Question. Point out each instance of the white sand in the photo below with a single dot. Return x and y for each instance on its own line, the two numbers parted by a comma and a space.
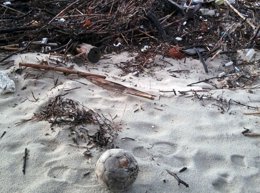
170, 132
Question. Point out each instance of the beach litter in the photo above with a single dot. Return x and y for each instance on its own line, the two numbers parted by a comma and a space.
86, 126
117, 169
7, 85
214, 42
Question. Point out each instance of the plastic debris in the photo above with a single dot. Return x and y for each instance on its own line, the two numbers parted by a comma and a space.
61, 20
145, 48
44, 40
7, 85
198, 1
7, 3
208, 12
220, 2
117, 44
175, 53
222, 74
228, 64
178, 38
192, 51
250, 55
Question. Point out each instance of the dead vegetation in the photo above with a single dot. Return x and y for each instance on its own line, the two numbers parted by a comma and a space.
87, 127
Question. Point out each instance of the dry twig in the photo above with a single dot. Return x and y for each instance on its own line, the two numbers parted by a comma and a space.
180, 181
25, 160
239, 14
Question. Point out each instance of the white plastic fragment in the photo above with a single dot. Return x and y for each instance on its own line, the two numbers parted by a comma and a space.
178, 38
229, 64
222, 74
44, 40
197, 1
117, 169
7, 85
250, 55
193, 51
220, 2
7, 3
208, 12
117, 44
62, 20
237, 69
145, 48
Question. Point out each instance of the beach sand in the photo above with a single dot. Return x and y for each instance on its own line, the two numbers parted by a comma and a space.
197, 131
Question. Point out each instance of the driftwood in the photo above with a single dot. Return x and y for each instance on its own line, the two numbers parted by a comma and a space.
254, 113
61, 69
109, 85
96, 79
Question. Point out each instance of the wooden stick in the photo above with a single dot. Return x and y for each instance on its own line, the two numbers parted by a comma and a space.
248, 106
3, 134
95, 79
239, 14
205, 80
62, 11
12, 9
254, 113
61, 69
180, 181
25, 160
109, 85
252, 134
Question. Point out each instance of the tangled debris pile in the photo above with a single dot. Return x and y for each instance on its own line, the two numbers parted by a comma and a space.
200, 29
120, 24
86, 126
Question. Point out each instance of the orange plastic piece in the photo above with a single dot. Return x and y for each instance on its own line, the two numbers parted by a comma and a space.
175, 52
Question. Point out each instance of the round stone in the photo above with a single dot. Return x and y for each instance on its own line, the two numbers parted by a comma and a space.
117, 169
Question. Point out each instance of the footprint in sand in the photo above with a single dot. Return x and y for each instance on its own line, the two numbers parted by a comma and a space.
80, 176
144, 127
221, 184
224, 182
257, 162
238, 160
164, 148
254, 162
14, 147
58, 172
140, 152
251, 183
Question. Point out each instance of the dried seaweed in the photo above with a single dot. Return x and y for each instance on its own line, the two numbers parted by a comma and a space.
86, 125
